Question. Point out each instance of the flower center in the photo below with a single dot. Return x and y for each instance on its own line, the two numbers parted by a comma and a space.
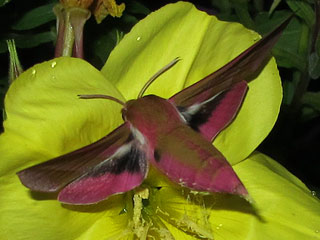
155, 211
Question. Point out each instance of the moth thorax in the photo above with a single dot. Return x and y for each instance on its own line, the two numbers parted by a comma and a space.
151, 114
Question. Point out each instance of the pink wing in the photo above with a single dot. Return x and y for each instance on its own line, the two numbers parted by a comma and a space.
210, 104
189, 159
213, 115
118, 173
116, 163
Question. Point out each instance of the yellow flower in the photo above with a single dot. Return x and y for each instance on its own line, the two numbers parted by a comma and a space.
46, 119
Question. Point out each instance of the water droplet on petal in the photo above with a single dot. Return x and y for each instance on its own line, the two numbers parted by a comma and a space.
138, 38
53, 64
34, 72
314, 193
220, 225
123, 211
317, 231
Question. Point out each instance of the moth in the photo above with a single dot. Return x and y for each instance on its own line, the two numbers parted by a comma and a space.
173, 135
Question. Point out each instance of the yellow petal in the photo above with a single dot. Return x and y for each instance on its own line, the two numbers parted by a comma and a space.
45, 113
43, 217
287, 208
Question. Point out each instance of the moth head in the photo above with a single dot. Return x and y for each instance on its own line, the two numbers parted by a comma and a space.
124, 110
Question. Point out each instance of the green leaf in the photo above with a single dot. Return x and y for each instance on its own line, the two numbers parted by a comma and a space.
129, 19
258, 4
288, 92
312, 99
29, 41
223, 6
288, 59
4, 2
311, 105
308, 114
36, 17
303, 10
314, 65
273, 6
287, 50
104, 44
265, 23
242, 11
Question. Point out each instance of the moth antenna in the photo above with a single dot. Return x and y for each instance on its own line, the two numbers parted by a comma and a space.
101, 96
157, 74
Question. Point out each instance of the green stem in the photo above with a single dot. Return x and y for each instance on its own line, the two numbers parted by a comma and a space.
15, 68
